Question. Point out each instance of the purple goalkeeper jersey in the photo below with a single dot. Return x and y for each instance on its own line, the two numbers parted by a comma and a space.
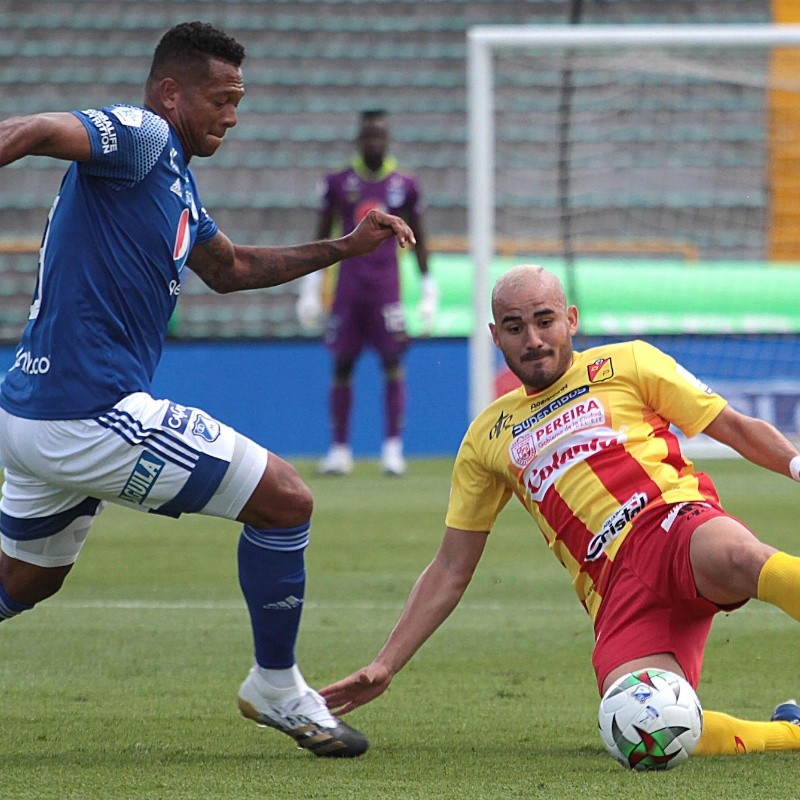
348, 196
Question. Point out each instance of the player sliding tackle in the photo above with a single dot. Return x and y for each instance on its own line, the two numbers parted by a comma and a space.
78, 426
585, 445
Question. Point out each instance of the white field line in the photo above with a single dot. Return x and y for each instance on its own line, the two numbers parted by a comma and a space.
232, 605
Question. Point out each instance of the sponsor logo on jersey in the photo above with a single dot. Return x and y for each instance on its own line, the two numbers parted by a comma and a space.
578, 417
30, 365
108, 136
503, 424
182, 237
177, 188
601, 370
543, 472
553, 405
613, 526
364, 207
176, 418
132, 117
206, 428
142, 479
537, 403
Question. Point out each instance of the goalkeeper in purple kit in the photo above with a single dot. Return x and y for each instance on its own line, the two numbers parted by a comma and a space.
366, 309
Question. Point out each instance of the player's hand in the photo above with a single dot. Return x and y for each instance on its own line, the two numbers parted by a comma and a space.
357, 689
376, 227
428, 304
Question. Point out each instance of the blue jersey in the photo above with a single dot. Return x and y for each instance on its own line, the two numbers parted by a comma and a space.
110, 266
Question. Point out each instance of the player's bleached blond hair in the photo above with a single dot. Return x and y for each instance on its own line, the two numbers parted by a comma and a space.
521, 275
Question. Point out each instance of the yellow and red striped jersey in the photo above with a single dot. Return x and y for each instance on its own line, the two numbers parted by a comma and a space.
586, 455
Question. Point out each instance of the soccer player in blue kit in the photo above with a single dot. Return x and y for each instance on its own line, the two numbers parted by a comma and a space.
78, 426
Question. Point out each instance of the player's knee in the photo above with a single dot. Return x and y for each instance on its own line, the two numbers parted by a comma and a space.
28, 583
300, 505
744, 560
285, 506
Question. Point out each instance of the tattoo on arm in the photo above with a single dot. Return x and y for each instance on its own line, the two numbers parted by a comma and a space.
226, 267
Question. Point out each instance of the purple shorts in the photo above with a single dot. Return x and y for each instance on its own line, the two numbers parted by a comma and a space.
356, 325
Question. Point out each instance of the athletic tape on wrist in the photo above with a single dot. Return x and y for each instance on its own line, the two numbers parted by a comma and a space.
794, 468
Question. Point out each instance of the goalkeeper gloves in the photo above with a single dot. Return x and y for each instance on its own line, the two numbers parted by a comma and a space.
428, 303
309, 302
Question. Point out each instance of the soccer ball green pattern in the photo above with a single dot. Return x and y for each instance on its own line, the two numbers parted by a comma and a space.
650, 720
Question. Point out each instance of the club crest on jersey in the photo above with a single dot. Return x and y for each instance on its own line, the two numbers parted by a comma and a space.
601, 370
132, 117
206, 428
182, 238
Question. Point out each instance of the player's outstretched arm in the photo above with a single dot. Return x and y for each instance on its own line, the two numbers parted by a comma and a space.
227, 267
753, 438
435, 594
58, 135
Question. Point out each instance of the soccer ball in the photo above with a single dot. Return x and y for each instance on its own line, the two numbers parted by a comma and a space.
650, 720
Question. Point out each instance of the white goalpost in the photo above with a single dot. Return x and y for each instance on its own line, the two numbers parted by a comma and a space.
595, 146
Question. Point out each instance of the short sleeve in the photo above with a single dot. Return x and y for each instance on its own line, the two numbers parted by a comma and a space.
126, 142
673, 392
477, 494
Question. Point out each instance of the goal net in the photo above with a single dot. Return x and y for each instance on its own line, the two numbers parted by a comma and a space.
656, 169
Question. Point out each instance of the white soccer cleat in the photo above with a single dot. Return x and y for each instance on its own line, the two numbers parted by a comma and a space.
301, 713
339, 461
392, 461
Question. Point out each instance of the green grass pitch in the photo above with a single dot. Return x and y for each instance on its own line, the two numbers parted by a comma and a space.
124, 684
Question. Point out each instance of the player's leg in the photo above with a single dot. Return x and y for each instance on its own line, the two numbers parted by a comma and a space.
33, 563
42, 526
655, 615
339, 459
731, 565
388, 336
277, 519
394, 408
172, 459
343, 340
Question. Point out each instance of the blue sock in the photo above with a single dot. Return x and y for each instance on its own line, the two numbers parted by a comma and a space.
9, 607
272, 575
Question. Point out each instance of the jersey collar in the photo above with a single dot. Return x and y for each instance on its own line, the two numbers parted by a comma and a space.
387, 168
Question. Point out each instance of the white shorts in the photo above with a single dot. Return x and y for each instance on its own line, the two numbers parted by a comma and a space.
146, 454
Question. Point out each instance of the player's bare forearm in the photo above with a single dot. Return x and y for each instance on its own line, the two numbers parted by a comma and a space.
755, 439
436, 593
226, 267
59, 135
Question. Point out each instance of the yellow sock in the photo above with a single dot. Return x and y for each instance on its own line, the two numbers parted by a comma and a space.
779, 583
724, 735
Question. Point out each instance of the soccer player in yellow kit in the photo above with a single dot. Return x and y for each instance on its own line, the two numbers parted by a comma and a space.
586, 447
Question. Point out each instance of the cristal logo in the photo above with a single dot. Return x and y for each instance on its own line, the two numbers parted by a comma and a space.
30, 365
613, 526
181, 248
